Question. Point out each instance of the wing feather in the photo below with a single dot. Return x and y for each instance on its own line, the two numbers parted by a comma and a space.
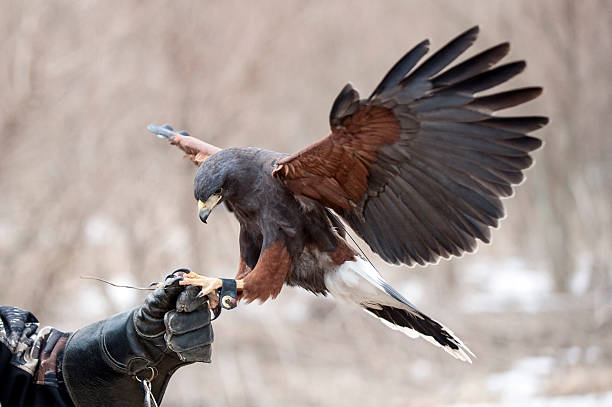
195, 149
419, 168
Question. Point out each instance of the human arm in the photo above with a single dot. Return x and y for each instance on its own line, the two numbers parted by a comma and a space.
98, 364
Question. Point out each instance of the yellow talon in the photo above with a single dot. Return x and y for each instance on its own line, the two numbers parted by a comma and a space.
208, 284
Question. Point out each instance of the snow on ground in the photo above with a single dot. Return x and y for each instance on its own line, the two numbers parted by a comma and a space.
522, 381
519, 387
505, 285
581, 400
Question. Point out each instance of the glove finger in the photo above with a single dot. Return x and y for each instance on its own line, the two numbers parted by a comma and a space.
199, 354
188, 300
156, 304
163, 299
183, 322
190, 341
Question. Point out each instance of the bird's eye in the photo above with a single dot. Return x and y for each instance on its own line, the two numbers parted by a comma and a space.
219, 191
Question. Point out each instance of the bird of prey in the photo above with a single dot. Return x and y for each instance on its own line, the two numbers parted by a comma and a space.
417, 170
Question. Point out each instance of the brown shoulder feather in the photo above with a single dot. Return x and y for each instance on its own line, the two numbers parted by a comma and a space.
419, 168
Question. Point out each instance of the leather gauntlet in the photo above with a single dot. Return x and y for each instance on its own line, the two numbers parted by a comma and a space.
104, 362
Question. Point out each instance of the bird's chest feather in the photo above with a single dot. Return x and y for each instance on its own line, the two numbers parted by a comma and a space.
309, 269
272, 215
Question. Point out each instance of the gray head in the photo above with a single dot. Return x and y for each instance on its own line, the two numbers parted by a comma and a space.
229, 175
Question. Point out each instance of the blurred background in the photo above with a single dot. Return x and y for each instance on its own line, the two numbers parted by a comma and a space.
86, 190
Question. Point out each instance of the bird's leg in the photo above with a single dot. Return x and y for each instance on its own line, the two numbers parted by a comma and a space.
209, 286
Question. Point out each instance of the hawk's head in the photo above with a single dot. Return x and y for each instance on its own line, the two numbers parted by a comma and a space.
229, 175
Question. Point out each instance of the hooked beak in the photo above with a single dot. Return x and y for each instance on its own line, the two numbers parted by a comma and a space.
205, 208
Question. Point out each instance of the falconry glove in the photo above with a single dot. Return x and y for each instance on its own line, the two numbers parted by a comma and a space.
106, 363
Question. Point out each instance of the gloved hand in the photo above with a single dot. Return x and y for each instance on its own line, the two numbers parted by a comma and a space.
105, 362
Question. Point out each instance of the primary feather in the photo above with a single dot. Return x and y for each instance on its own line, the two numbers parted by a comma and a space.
426, 159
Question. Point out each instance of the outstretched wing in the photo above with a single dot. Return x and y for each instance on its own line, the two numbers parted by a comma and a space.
418, 168
195, 149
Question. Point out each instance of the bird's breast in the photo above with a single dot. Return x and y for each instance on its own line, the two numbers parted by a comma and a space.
309, 269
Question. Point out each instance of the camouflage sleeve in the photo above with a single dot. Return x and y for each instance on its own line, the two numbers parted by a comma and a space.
30, 361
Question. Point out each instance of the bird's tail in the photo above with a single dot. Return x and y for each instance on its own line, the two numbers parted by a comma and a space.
358, 282
414, 324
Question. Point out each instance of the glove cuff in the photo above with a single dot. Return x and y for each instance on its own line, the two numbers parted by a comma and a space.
104, 361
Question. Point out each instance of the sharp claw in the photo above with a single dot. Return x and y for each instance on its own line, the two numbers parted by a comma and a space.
213, 299
207, 285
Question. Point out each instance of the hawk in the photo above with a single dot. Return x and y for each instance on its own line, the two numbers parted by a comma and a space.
417, 170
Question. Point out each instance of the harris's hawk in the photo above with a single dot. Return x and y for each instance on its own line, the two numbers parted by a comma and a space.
417, 170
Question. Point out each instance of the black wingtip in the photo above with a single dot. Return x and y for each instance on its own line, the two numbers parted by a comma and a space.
489, 79
519, 124
517, 67
544, 121
475, 30
470, 34
537, 122
504, 100
535, 91
503, 48
475, 65
401, 68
